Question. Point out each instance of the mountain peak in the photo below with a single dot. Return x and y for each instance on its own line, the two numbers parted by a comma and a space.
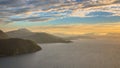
3, 35
20, 32
23, 30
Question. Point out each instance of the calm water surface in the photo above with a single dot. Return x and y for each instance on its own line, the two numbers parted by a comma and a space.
87, 53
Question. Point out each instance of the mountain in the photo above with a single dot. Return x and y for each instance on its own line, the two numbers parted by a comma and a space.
46, 38
37, 37
3, 35
15, 46
19, 33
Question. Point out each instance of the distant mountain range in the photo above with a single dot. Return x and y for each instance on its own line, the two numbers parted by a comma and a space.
37, 37
80, 37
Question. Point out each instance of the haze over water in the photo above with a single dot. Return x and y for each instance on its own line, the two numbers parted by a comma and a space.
82, 53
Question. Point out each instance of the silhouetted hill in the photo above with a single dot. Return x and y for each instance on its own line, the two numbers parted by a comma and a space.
46, 38
3, 35
14, 46
19, 33
37, 37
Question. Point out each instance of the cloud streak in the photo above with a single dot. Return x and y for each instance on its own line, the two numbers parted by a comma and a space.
41, 10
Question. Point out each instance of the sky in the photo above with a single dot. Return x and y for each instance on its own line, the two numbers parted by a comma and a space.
61, 16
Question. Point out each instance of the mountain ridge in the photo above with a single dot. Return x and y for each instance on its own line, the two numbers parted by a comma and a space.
3, 35
39, 37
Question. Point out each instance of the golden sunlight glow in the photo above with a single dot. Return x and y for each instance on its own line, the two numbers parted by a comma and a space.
80, 29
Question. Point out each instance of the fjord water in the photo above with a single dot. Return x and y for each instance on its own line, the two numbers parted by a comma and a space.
83, 53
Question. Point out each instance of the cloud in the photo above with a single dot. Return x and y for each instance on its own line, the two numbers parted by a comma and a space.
38, 16
111, 9
40, 20
41, 10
